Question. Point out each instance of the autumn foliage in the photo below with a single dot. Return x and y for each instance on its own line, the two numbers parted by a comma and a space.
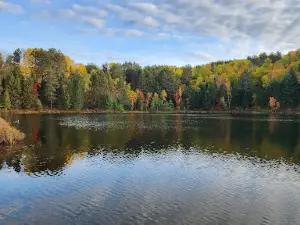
38, 78
274, 104
178, 95
8, 134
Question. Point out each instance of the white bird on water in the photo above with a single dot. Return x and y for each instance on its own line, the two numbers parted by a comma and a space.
17, 121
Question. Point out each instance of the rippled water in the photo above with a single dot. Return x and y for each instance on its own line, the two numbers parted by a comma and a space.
152, 169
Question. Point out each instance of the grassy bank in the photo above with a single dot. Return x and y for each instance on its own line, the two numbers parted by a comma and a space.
233, 112
8, 134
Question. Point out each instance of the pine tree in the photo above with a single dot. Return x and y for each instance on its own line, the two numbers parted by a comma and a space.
101, 90
16, 57
187, 75
14, 87
64, 98
29, 98
290, 90
77, 92
122, 96
245, 89
50, 87
6, 100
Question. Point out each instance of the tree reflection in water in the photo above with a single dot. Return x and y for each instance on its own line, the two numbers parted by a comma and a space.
54, 141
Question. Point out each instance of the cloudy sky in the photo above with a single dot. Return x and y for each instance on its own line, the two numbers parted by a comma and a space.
175, 32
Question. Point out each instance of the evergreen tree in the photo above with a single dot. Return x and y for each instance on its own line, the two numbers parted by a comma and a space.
139, 103
29, 98
290, 90
6, 100
155, 102
210, 95
116, 71
51, 84
2, 89
14, 88
77, 92
90, 67
187, 75
245, 89
17, 55
64, 98
101, 90
122, 96
96, 91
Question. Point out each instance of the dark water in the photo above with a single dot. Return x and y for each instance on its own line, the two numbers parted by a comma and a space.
152, 169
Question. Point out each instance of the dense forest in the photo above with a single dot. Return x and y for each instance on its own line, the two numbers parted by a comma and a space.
38, 78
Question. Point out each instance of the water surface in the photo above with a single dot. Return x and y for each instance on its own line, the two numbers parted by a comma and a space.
152, 169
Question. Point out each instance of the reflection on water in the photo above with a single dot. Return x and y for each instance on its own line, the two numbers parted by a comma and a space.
148, 169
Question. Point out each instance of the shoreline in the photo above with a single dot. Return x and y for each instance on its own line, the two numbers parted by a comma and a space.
9, 135
215, 112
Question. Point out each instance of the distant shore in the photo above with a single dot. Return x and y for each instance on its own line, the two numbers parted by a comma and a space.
233, 112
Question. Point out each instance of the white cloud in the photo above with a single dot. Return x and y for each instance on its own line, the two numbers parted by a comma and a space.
84, 14
134, 33
117, 32
273, 24
41, 1
89, 11
144, 7
132, 17
201, 56
240, 27
151, 21
96, 22
113, 32
11, 8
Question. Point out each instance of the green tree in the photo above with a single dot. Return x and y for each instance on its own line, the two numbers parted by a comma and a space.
133, 74
91, 67
290, 90
100, 89
155, 102
77, 92
29, 97
6, 100
64, 98
14, 88
187, 75
116, 71
121, 94
51, 85
17, 55
245, 89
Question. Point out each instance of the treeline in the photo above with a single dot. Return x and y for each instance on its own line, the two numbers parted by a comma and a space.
38, 78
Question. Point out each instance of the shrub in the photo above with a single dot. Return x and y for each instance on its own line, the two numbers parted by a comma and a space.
39, 105
8, 134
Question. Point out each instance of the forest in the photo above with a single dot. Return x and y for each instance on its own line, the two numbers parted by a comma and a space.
38, 79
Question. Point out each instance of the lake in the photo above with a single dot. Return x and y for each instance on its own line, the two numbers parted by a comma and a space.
152, 169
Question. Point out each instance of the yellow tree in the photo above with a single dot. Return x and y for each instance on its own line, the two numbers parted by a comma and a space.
278, 70
85, 76
27, 63
132, 96
163, 95
179, 72
69, 64
228, 92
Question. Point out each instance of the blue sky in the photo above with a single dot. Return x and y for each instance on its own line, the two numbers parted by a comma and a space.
174, 32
